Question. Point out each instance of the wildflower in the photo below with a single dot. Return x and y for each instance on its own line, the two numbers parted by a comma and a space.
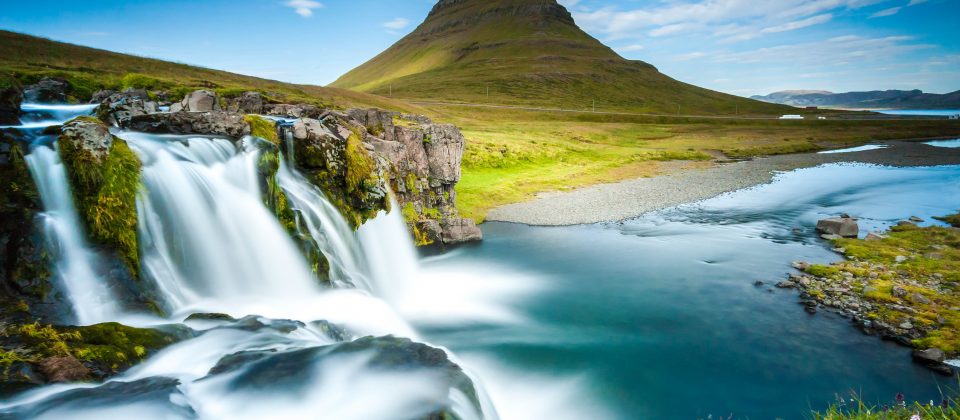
916, 417
945, 404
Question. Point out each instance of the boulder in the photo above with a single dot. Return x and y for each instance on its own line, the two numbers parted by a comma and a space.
875, 237
934, 360
118, 108
247, 103
88, 134
49, 90
101, 95
460, 230
841, 226
293, 111
198, 101
208, 123
10, 99
63, 369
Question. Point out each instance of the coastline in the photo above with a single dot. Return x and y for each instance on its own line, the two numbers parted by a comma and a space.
632, 198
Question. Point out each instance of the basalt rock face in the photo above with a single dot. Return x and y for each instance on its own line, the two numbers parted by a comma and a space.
49, 90
26, 288
425, 167
210, 123
10, 99
120, 107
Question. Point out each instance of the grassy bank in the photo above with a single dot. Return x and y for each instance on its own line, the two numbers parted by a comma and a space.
513, 154
896, 409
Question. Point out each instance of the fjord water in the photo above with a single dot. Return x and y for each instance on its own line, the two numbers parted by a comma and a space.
659, 317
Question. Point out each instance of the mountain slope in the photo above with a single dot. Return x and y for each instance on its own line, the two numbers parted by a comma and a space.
28, 58
527, 52
877, 99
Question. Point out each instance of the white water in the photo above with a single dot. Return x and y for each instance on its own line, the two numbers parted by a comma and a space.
952, 144
75, 263
856, 149
210, 245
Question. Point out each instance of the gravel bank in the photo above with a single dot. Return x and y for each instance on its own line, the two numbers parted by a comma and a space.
632, 198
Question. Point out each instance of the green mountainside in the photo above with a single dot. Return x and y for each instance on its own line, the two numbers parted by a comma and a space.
28, 59
527, 53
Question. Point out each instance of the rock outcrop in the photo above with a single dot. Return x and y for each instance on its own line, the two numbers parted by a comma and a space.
209, 123
293, 111
246, 103
118, 108
49, 90
198, 101
11, 95
425, 167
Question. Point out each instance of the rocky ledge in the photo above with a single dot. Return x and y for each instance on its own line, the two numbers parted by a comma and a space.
353, 155
901, 285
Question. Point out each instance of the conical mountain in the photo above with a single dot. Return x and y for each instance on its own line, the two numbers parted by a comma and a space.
527, 52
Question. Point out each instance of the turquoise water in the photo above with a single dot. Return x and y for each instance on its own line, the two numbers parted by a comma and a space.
932, 112
659, 317
953, 144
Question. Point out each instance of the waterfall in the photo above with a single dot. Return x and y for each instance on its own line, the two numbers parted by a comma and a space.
209, 244
204, 231
75, 263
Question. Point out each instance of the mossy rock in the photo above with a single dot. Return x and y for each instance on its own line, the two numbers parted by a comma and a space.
263, 128
105, 176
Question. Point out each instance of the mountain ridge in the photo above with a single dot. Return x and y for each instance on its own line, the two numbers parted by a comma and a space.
875, 99
526, 52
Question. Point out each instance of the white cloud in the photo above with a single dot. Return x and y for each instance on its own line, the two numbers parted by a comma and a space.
630, 48
886, 12
690, 56
304, 7
396, 24
916, 2
798, 24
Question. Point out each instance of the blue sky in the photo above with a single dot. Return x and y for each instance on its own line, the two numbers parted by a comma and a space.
743, 47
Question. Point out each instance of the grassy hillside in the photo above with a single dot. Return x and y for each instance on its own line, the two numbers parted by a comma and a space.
30, 58
528, 52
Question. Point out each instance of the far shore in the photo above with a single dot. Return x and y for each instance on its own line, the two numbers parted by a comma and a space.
632, 198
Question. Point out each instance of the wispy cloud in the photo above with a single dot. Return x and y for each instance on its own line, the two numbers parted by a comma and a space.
304, 7
886, 12
396, 24
631, 48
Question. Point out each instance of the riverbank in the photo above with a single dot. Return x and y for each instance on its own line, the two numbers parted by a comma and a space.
899, 284
632, 198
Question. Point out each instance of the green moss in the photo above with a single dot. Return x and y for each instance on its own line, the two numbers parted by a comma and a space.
360, 166
929, 267
952, 220
142, 81
411, 216
411, 182
427, 138
262, 128
376, 130
114, 345
105, 192
823, 271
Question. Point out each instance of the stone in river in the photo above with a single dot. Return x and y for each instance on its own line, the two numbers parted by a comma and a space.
841, 226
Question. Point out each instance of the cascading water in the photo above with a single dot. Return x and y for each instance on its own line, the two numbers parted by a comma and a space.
210, 245
76, 265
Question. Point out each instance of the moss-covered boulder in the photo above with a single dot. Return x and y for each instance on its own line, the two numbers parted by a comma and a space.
333, 156
105, 176
34, 353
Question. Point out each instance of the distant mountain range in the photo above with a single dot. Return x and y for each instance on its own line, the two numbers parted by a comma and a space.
877, 99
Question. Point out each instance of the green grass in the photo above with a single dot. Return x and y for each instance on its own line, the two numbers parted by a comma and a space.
511, 155
931, 269
28, 59
898, 408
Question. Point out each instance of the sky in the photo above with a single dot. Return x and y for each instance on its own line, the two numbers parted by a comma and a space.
743, 47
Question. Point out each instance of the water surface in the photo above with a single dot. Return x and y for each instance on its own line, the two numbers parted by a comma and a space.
659, 317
